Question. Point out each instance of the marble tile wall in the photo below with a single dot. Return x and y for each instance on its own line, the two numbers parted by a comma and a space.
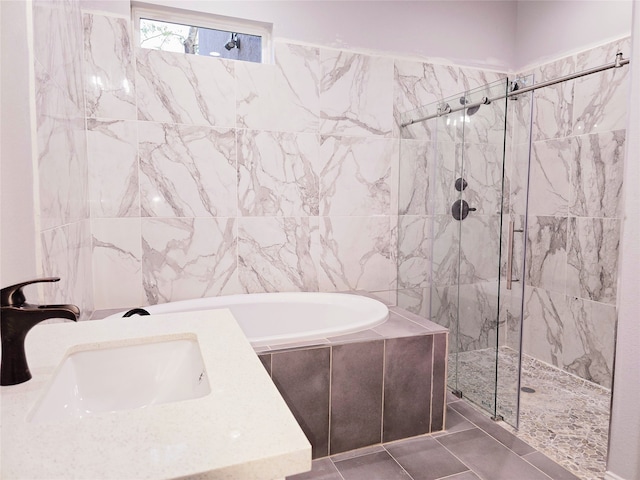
212, 177
62, 166
573, 233
205, 177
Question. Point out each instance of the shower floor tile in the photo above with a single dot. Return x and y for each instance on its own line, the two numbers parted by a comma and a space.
565, 417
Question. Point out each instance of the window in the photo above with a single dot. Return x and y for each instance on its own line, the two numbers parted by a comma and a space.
175, 30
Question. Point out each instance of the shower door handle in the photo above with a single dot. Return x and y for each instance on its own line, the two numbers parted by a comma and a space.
510, 278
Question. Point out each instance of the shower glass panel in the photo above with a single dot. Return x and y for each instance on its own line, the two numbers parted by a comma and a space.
513, 247
453, 188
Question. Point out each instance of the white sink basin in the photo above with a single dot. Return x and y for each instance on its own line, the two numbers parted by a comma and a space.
123, 378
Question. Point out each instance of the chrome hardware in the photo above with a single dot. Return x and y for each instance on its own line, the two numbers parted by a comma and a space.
443, 109
510, 278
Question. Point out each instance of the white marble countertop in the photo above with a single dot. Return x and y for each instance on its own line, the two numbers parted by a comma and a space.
241, 430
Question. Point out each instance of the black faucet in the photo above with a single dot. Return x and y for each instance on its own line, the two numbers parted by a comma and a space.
17, 317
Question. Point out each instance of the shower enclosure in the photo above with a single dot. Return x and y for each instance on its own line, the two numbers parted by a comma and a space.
463, 180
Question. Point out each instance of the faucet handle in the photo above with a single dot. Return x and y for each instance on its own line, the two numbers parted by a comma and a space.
13, 295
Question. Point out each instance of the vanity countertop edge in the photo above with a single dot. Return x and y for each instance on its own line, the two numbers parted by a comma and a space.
242, 429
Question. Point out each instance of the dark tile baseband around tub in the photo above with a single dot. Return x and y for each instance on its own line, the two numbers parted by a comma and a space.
364, 388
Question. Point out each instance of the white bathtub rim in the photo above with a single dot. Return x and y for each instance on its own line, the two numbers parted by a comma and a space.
376, 312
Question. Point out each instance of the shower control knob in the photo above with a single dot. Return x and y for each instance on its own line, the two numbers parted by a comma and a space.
460, 209
461, 184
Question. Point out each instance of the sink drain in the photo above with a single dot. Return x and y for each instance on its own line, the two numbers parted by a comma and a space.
528, 390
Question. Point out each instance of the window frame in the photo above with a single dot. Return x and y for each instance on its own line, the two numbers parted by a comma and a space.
204, 20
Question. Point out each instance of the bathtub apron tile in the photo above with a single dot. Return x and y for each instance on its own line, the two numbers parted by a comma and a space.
356, 395
302, 377
407, 387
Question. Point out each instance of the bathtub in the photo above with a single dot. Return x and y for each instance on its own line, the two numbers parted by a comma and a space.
277, 318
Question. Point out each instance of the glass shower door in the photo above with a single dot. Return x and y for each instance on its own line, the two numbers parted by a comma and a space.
477, 214
453, 201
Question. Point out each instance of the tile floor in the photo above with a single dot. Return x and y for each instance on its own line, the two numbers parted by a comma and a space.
471, 447
565, 417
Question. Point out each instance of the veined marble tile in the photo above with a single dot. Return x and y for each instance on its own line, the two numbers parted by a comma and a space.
446, 250
511, 314
278, 173
446, 169
63, 171
553, 106
592, 258
547, 252
278, 254
187, 171
470, 312
519, 179
257, 102
59, 98
416, 163
477, 316
592, 349
519, 112
394, 178
482, 169
58, 50
544, 327
415, 300
184, 258
180, 88
600, 100
355, 254
356, 94
108, 68
475, 79
551, 164
355, 175
298, 88
414, 251
444, 310
574, 334
487, 124
281, 97
603, 54
479, 248
117, 263
418, 84
597, 175
112, 147
427, 176
66, 253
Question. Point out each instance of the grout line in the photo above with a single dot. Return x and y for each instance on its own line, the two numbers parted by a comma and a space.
397, 462
444, 433
492, 436
453, 475
335, 468
477, 473
460, 460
